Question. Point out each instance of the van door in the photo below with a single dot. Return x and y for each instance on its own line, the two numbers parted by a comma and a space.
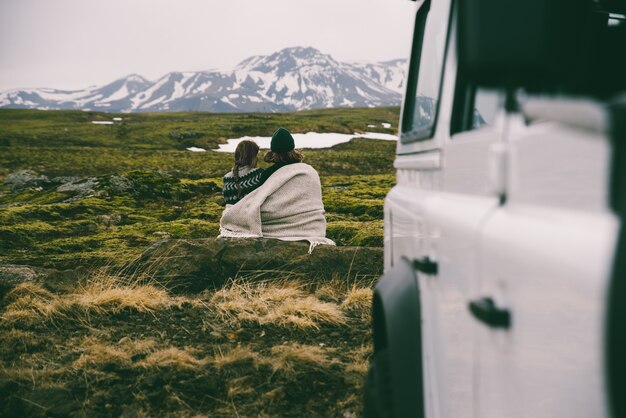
545, 259
454, 216
434, 214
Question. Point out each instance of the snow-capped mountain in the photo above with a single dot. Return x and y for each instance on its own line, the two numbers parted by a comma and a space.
290, 79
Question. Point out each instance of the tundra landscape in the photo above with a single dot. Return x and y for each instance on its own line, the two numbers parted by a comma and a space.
117, 300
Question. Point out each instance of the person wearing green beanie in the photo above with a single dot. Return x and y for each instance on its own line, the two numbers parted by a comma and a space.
287, 206
282, 141
282, 152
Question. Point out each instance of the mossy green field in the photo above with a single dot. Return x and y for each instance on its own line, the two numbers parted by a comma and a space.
134, 182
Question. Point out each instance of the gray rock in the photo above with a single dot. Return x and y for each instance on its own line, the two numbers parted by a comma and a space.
120, 183
20, 274
24, 179
82, 187
109, 220
64, 179
197, 264
12, 275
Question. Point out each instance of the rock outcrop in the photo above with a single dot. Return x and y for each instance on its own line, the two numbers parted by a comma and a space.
196, 264
12, 275
192, 265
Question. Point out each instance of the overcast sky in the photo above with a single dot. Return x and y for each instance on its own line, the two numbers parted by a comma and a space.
72, 44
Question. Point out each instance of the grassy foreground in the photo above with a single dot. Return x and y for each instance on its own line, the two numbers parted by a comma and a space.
278, 348
262, 345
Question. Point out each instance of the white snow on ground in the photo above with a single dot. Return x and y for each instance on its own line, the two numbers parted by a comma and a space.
179, 91
145, 95
102, 122
364, 94
179, 87
386, 125
51, 94
154, 102
308, 140
189, 84
227, 101
251, 62
289, 81
195, 149
136, 78
266, 78
20, 100
121, 93
240, 78
390, 77
203, 87
350, 103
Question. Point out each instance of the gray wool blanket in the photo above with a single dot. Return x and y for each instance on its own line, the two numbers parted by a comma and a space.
288, 206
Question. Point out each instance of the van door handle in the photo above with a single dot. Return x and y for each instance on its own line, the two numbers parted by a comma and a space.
486, 311
426, 265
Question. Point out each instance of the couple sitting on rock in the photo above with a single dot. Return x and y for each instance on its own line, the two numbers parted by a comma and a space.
283, 201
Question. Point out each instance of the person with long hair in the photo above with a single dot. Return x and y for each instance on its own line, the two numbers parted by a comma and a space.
288, 206
245, 175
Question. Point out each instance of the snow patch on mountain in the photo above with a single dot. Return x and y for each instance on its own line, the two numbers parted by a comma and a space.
290, 79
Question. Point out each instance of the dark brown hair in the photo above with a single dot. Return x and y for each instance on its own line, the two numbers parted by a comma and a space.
292, 156
245, 155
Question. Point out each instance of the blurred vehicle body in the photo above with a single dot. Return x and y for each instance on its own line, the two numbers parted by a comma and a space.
501, 295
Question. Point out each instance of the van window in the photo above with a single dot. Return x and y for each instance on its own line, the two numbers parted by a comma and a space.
474, 107
486, 105
425, 72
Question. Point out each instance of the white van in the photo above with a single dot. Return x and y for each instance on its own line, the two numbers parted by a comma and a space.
502, 294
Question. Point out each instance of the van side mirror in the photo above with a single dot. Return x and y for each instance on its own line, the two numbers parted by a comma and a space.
513, 43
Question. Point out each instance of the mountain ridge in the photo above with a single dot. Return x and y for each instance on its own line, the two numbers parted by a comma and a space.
296, 78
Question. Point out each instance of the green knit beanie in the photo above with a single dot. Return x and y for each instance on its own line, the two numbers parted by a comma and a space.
282, 141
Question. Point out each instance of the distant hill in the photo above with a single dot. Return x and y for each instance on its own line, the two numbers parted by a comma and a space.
290, 79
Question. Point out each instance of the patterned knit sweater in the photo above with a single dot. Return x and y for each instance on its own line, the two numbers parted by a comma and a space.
288, 207
249, 179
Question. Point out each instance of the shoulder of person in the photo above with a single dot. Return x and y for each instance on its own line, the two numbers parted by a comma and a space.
305, 166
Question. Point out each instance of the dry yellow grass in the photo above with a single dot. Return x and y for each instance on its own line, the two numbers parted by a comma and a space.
283, 304
144, 298
329, 292
294, 358
139, 346
250, 379
238, 355
359, 360
240, 386
30, 302
28, 290
306, 312
95, 353
11, 337
358, 300
173, 357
